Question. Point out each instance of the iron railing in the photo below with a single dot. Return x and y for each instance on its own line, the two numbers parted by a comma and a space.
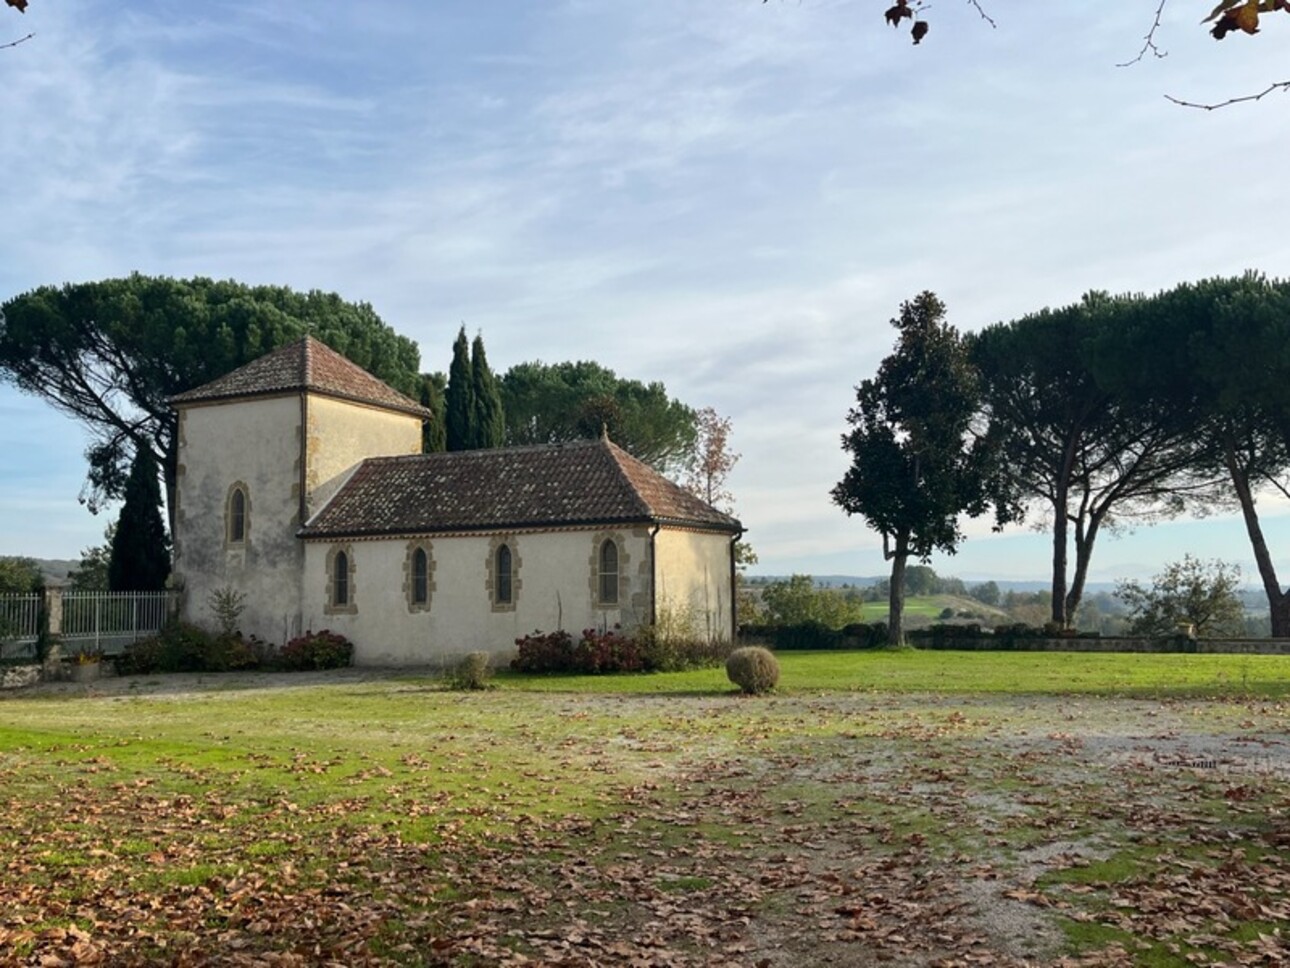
99, 621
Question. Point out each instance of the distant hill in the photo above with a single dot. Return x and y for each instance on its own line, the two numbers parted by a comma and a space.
56, 570
864, 581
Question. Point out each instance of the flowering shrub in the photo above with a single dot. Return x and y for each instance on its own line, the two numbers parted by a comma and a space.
610, 650
316, 650
544, 652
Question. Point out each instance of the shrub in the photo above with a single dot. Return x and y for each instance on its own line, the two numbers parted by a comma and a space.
807, 635
228, 653
186, 648
610, 650
753, 669
140, 658
316, 650
861, 635
544, 652
179, 647
471, 671
228, 604
607, 651
675, 653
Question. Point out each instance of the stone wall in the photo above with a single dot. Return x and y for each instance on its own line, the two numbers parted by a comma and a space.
19, 677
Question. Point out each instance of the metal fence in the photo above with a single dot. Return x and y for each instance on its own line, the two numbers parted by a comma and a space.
104, 621
19, 623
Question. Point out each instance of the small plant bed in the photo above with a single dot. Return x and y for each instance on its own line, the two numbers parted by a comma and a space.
187, 648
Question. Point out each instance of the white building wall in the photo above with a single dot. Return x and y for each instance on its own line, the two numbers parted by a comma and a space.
693, 590
554, 588
255, 443
258, 443
341, 434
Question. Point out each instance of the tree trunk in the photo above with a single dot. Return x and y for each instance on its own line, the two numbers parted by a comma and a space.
1083, 556
896, 592
1061, 497
1060, 525
1278, 602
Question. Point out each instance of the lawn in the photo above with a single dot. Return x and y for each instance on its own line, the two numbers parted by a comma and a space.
895, 807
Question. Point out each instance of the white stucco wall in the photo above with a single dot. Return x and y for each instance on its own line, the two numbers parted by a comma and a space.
258, 443
343, 433
554, 588
255, 443
693, 578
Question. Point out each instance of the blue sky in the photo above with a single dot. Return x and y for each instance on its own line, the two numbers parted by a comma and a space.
730, 196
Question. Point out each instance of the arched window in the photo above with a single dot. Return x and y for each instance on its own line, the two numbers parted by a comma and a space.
420, 577
502, 575
237, 515
340, 580
608, 572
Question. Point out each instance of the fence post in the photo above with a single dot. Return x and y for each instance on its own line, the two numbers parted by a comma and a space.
53, 605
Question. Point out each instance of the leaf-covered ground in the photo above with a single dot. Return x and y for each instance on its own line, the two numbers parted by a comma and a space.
365, 820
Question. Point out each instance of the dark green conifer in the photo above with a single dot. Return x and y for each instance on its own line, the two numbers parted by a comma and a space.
459, 420
490, 421
140, 560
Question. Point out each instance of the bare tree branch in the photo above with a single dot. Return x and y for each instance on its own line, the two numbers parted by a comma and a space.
15, 43
984, 16
1149, 42
1278, 86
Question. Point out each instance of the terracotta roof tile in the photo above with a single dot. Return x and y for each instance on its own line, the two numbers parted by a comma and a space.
305, 364
586, 482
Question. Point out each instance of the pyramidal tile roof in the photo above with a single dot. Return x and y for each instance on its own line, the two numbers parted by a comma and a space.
305, 364
585, 482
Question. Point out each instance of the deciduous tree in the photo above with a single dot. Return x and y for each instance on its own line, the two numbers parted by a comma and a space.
713, 460
1188, 592
916, 465
91, 575
19, 575
796, 601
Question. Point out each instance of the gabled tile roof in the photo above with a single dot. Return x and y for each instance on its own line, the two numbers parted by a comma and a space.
305, 364
586, 482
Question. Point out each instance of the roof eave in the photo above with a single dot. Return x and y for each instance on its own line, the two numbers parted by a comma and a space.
309, 534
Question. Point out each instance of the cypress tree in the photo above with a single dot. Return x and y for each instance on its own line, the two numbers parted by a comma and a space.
490, 421
140, 559
434, 432
459, 417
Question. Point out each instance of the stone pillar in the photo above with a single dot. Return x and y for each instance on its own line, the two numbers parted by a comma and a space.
54, 611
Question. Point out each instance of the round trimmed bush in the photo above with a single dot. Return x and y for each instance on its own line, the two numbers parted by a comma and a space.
753, 669
471, 671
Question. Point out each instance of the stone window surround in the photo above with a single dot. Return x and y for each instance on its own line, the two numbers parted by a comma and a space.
490, 582
229, 541
349, 607
624, 580
409, 575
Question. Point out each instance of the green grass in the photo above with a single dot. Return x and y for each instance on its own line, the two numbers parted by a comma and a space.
270, 817
1007, 673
